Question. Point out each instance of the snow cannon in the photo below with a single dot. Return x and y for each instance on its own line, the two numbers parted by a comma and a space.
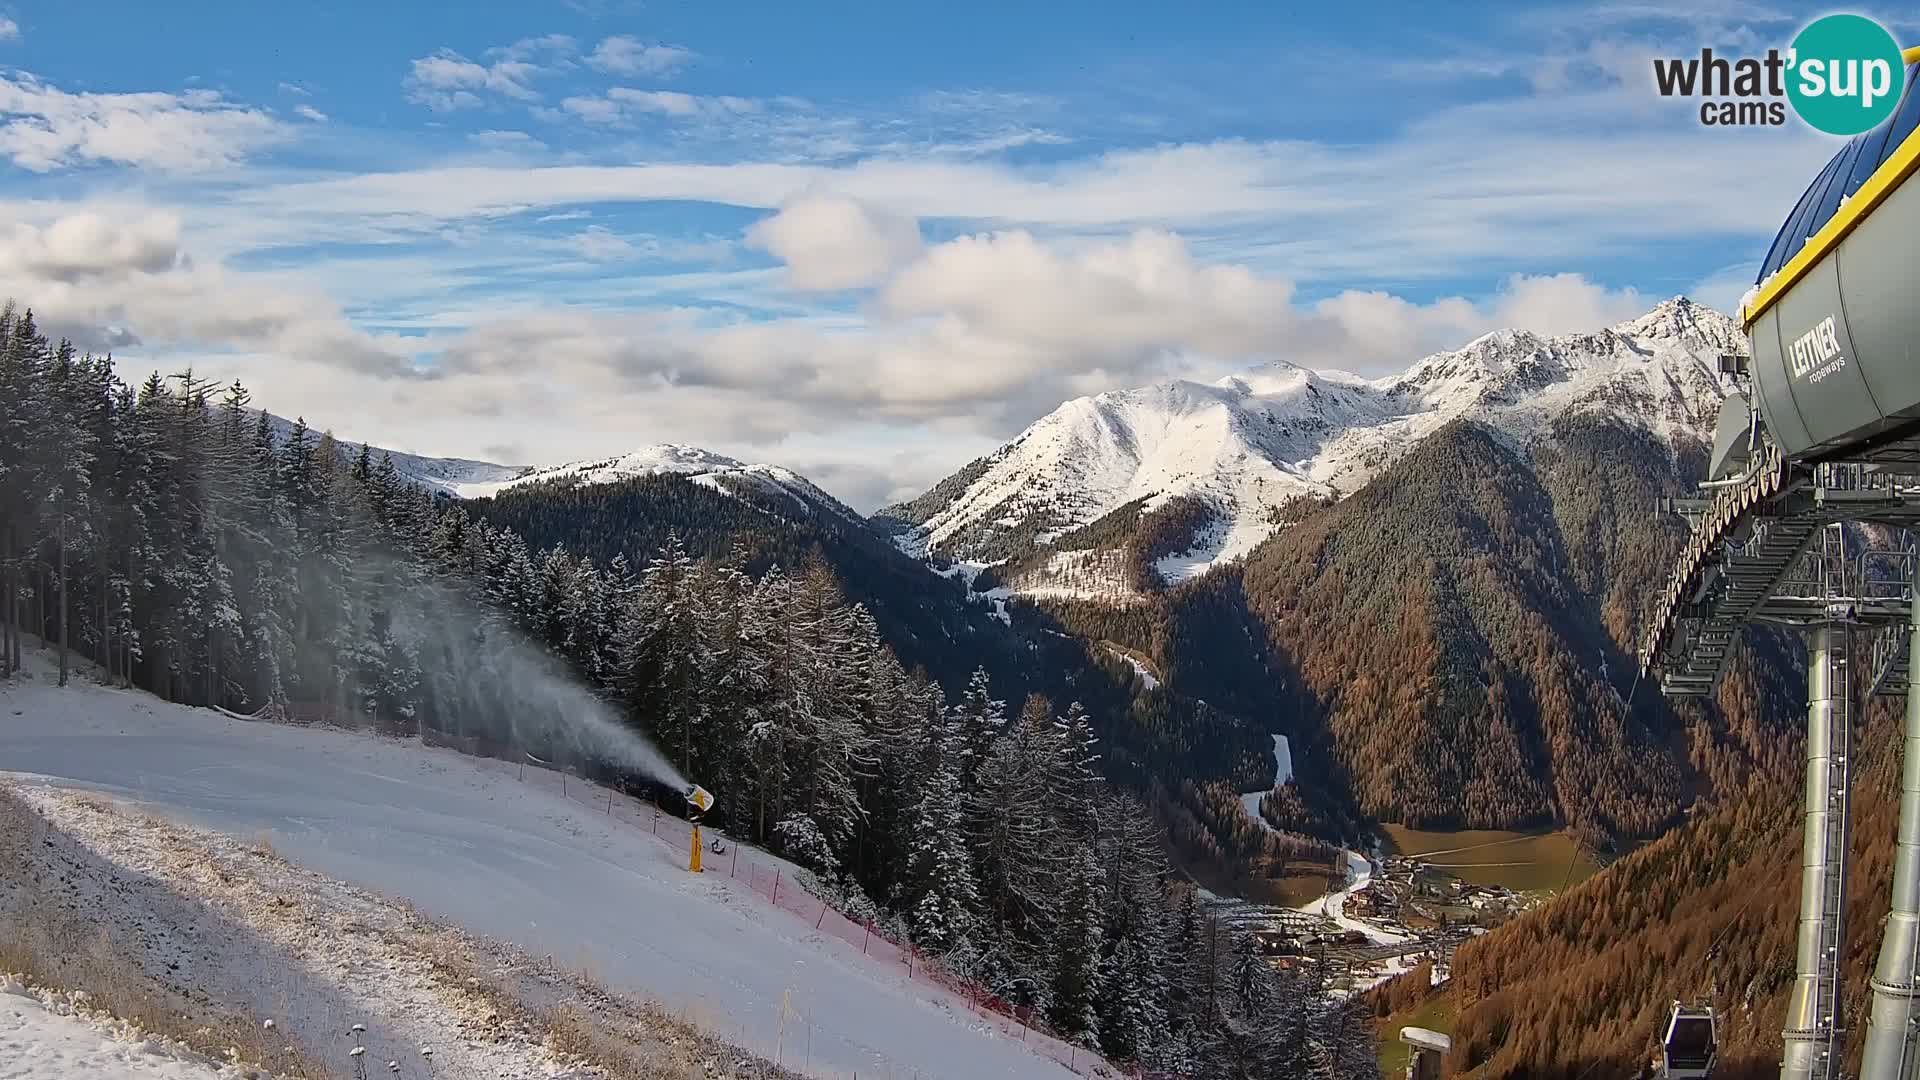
701, 800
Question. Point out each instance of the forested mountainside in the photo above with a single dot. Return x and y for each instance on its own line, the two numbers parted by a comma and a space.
925, 618
1453, 644
170, 535
1581, 986
1433, 621
1187, 757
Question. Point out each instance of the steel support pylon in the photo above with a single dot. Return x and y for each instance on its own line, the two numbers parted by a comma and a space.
1815, 1031
1891, 1052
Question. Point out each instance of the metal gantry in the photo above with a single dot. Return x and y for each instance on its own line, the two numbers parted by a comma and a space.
1827, 550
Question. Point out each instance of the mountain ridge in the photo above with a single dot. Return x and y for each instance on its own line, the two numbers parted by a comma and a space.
1248, 444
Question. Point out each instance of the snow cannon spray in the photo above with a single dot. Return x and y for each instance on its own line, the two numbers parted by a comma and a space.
484, 676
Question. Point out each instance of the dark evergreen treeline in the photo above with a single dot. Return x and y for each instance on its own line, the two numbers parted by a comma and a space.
1151, 742
167, 534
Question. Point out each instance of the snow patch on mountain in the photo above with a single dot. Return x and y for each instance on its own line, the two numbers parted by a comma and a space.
1249, 443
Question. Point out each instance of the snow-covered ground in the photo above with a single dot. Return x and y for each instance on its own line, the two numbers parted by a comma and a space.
332, 967
1282, 772
460, 841
43, 1037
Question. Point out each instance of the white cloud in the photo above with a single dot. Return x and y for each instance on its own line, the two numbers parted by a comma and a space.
556, 46
592, 109
833, 242
625, 55
310, 113
92, 244
43, 128
1382, 332
979, 334
623, 104
964, 342
447, 81
665, 102
109, 278
506, 142
600, 244
1447, 199
9, 30
295, 89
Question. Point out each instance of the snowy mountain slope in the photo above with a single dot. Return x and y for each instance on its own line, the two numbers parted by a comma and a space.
704, 467
448, 475
1249, 443
461, 840
469, 479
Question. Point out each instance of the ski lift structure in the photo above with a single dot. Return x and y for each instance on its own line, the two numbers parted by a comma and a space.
1821, 436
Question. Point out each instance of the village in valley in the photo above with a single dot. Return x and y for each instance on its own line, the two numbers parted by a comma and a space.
1393, 913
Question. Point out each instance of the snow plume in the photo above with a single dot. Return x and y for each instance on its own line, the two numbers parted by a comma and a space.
487, 679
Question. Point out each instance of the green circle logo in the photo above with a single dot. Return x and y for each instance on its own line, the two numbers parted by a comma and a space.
1845, 74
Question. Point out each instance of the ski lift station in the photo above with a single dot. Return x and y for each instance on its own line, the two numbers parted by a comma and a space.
1825, 435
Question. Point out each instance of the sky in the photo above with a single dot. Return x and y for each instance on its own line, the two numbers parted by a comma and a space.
866, 241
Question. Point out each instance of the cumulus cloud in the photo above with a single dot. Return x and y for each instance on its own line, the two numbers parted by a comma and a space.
310, 113
105, 278
43, 128
969, 339
625, 55
91, 244
833, 242
9, 30
446, 80
984, 333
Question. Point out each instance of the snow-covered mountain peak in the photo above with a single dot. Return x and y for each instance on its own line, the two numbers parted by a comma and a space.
719, 472
1682, 321
1249, 443
674, 457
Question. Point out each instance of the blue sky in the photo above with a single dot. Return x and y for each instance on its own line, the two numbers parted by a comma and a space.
868, 241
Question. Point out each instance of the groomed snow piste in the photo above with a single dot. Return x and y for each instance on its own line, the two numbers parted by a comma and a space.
461, 840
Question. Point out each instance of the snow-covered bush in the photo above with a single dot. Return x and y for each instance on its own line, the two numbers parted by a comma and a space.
802, 841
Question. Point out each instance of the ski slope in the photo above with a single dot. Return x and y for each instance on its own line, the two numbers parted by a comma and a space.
463, 841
